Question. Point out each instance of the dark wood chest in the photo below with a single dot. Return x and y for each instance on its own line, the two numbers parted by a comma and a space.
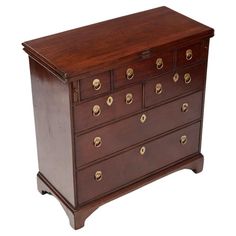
117, 105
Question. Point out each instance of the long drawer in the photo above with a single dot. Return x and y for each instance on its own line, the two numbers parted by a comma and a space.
127, 132
120, 170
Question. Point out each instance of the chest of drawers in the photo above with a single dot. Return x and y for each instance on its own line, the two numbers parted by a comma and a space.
117, 105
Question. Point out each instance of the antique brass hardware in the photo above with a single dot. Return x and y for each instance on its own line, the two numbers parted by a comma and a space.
97, 142
189, 54
187, 78
159, 63
184, 107
158, 88
183, 139
143, 118
97, 84
129, 73
109, 100
96, 110
129, 98
98, 175
142, 150
176, 77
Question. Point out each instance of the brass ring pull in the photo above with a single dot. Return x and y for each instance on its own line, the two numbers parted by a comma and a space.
143, 118
97, 84
129, 73
184, 107
109, 100
176, 77
183, 139
98, 175
96, 110
142, 150
159, 63
158, 88
129, 98
189, 54
187, 78
97, 142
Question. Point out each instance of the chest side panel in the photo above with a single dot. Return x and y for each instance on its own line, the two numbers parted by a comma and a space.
53, 130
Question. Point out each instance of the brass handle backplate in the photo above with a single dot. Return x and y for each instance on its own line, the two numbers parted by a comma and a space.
142, 150
109, 100
129, 98
129, 73
183, 139
189, 54
97, 84
187, 78
159, 63
98, 175
96, 110
158, 88
97, 142
184, 107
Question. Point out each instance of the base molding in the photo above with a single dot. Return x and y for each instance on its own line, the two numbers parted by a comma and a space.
77, 216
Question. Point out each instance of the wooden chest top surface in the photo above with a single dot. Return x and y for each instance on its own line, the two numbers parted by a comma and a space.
80, 50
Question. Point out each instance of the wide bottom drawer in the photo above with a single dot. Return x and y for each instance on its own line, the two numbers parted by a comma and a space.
118, 171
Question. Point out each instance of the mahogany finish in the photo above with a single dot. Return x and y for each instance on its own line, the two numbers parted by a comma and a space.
131, 131
131, 165
115, 113
84, 112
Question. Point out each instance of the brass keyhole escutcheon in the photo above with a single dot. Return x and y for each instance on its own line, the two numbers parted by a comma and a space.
109, 100
129, 98
96, 110
176, 77
187, 78
142, 150
183, 139
159, 63
97, 142
158, 88
97, 84
184, 107
189, 54
129, 74
143, 118
98, 175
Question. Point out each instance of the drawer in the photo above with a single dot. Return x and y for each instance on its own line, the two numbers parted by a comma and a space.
107, 108
130, 131
169, 86
134, 164
95, 85
145, 68
190, 54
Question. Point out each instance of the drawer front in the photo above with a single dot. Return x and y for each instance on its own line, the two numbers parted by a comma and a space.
146, 68
122, 134
95, 85
169, 86
134, 164
190, 54
107, 108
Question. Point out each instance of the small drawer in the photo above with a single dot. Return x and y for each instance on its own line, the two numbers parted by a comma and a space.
95, 85
134, 164
143, 69
190, 54
108, 108
172, 85
122, 134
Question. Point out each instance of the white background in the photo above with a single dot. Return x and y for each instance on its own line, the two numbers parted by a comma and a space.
182, 203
